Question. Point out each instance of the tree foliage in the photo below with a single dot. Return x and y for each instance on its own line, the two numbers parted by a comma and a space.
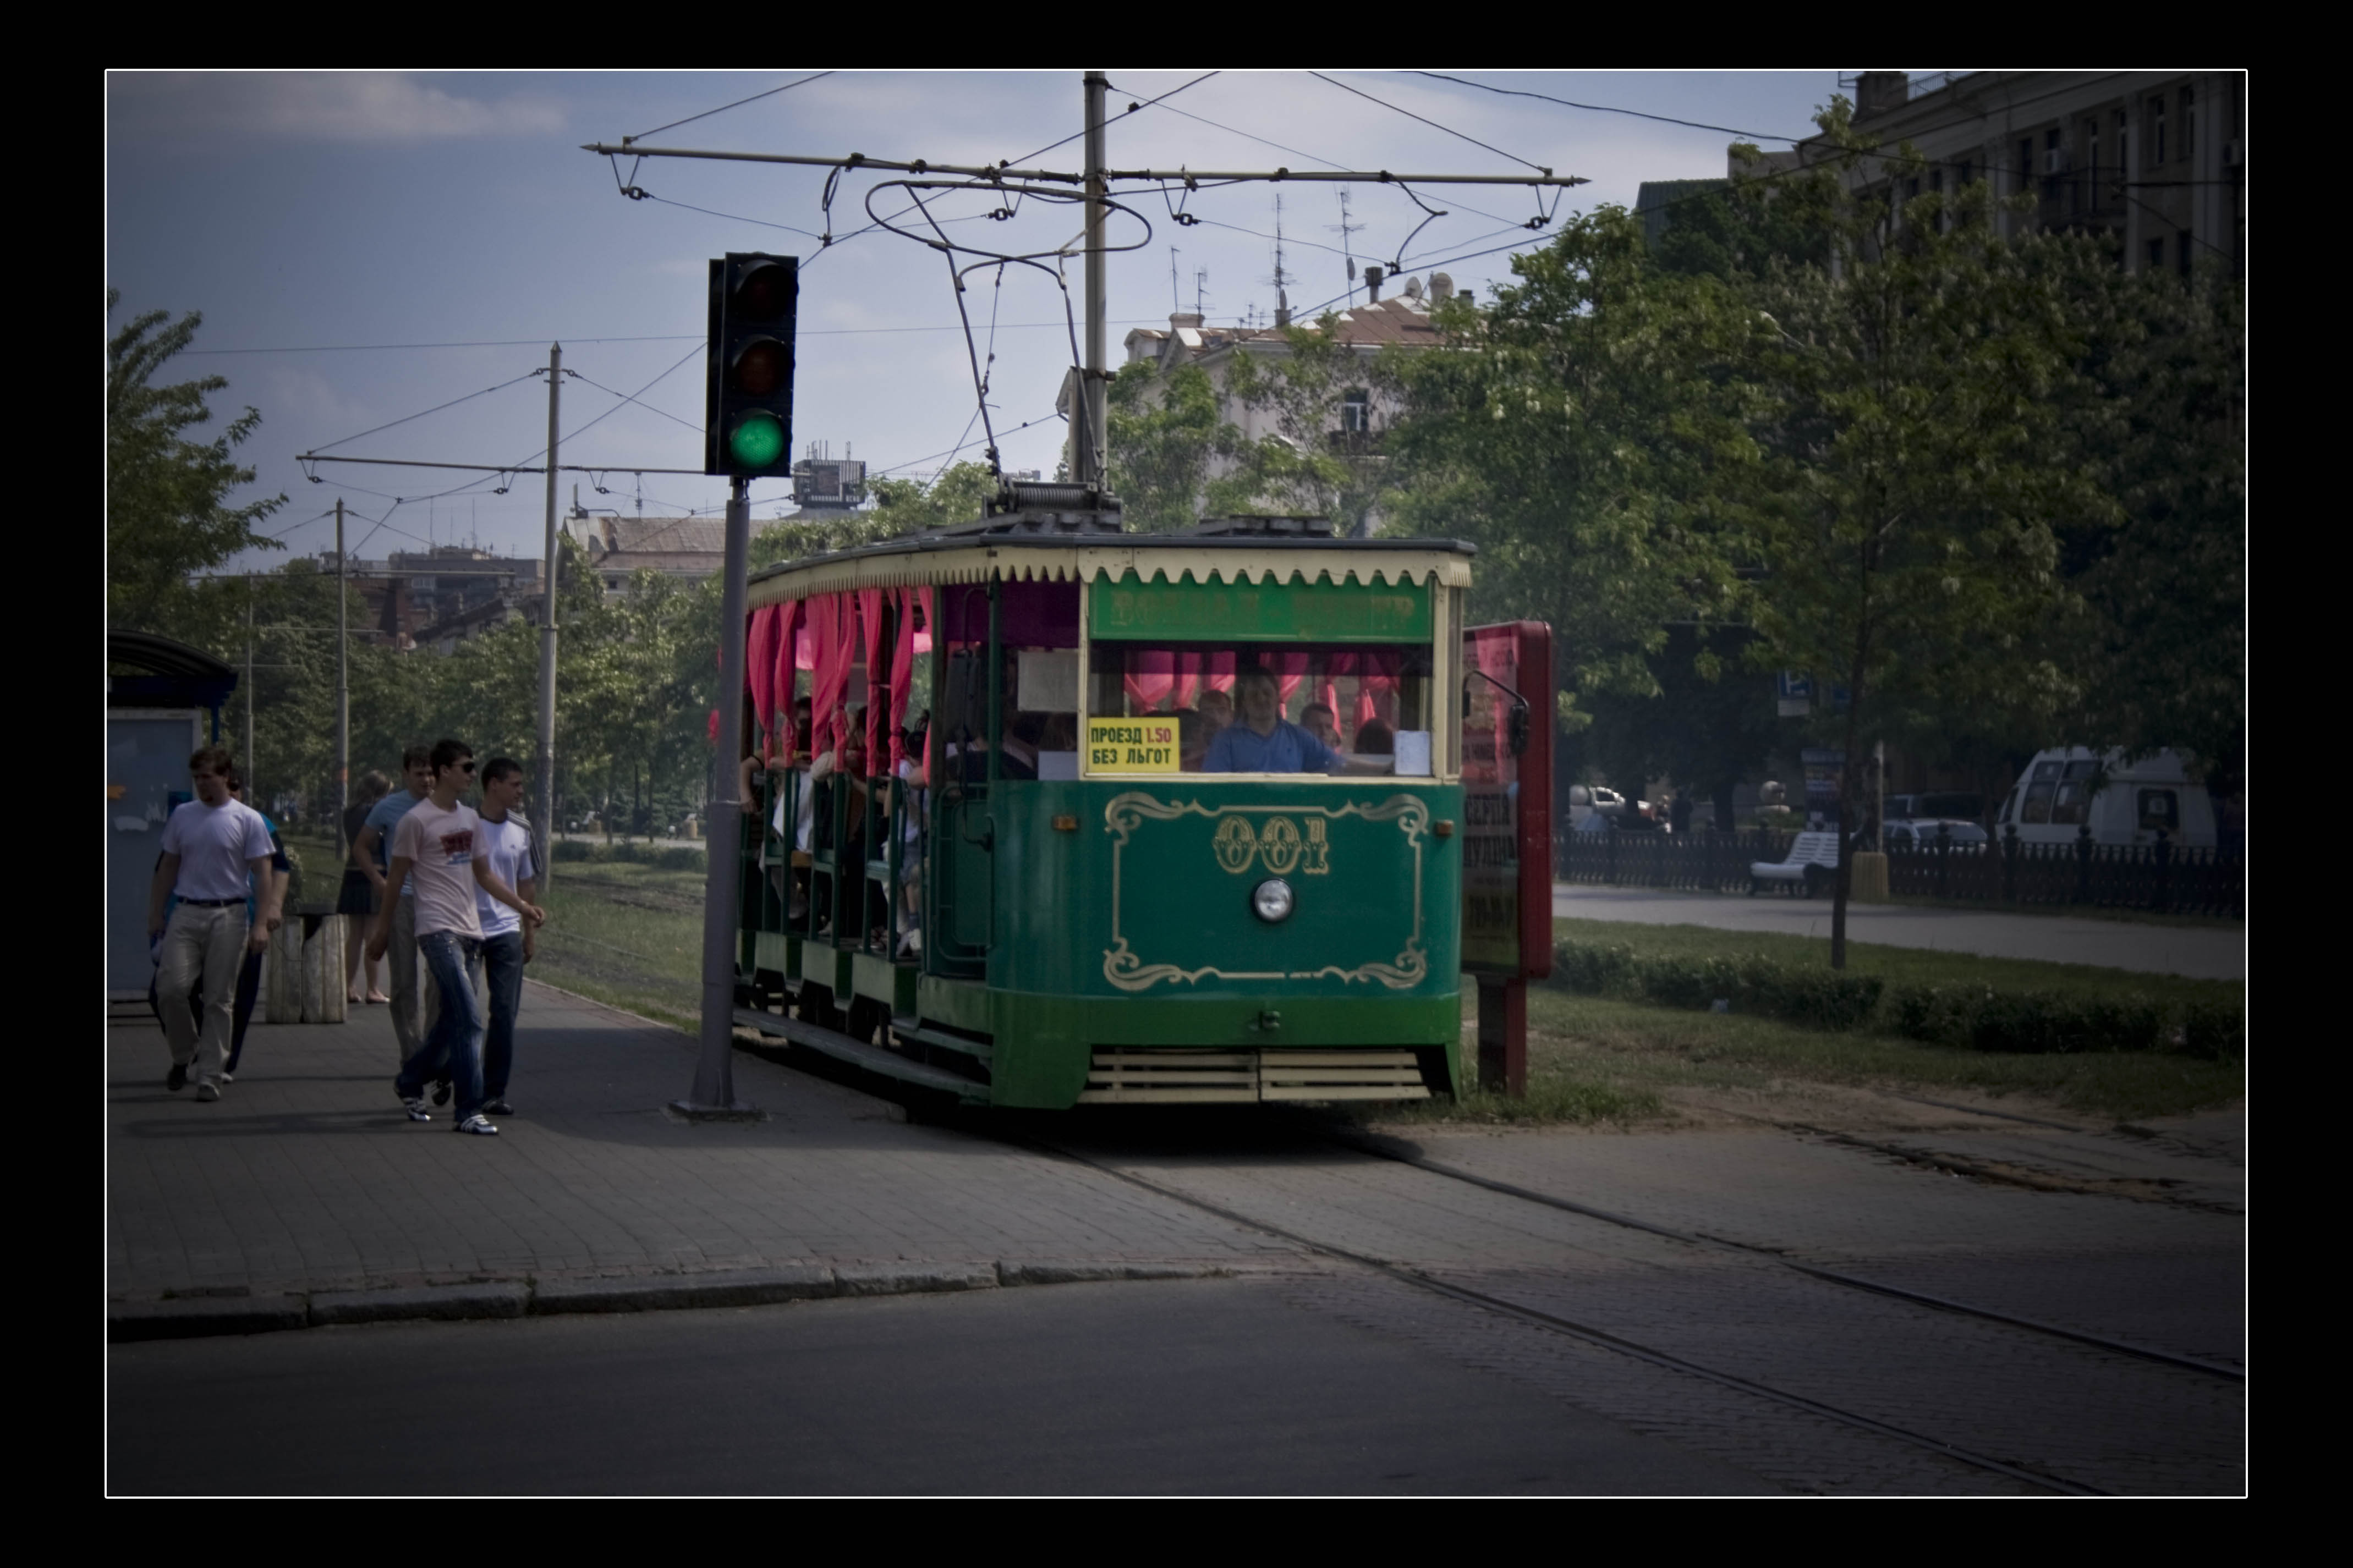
168, 511
1587, 432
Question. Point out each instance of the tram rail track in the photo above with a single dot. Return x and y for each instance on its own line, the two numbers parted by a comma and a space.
1828, 1276
1597, 1337
1588, 1333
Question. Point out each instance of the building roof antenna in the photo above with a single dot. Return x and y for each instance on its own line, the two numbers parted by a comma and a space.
1345, 228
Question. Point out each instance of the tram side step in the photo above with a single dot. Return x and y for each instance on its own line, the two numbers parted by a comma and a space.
1340, 1075
912, 1029
1178, 1077
874, 1059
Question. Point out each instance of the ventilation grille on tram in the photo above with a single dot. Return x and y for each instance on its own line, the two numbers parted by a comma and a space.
1172, 1077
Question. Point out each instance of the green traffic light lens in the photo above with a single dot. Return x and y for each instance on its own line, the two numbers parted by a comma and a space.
758, 440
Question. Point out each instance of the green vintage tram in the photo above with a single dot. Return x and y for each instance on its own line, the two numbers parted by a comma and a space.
1046, 813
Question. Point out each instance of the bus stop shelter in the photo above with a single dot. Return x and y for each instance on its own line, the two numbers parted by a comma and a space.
163, 701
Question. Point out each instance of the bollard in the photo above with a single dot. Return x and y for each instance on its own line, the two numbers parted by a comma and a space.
281, 974
322, 966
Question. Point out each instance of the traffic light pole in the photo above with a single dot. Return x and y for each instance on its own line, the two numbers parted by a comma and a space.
342, 685
714, 1072
543, 762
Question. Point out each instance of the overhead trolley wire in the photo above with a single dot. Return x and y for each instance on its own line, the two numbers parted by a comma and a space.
1433, 125
725, 107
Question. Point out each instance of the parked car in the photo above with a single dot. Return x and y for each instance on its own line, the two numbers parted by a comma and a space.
1921, 833
1585, 800
1956, 806
2053, 800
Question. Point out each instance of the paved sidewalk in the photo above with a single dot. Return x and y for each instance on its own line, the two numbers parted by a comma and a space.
306, 1177
2201, 952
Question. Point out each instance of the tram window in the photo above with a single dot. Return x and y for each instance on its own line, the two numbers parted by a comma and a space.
1161, 708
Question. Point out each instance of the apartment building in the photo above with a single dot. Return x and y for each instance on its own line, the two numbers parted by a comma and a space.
2155, 159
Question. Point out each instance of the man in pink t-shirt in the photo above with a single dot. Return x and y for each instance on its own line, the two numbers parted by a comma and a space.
434, 844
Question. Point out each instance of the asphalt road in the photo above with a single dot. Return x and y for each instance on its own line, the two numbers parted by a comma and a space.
1191, 1387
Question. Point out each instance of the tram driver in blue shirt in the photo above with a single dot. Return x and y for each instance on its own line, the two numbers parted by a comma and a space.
1260, 739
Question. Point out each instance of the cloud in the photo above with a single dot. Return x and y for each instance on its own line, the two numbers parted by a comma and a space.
350, 108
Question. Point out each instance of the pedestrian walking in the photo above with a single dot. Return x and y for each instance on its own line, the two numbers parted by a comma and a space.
355, 900
215, 849
509, 941
436, 861
373, 851
248, 975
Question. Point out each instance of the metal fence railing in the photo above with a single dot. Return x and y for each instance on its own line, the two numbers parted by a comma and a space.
2157, 877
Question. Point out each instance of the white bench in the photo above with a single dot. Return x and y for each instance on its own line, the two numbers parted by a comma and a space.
1813, 858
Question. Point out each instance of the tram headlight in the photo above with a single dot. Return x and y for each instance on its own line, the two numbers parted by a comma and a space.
1271, 900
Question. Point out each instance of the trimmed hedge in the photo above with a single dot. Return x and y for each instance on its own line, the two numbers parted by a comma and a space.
1816, 998
1975, 1017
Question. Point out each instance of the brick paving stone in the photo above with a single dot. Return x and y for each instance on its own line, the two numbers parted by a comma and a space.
305, 1176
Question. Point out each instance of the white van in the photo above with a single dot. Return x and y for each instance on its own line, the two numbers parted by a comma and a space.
1586, 801
2053, 801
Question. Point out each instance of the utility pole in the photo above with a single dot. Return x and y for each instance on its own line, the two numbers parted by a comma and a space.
1091, 452
544, 801
342, 683
715, 1070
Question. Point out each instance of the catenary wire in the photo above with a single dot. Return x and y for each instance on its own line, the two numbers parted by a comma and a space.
1433, 125
725, 107
434, 409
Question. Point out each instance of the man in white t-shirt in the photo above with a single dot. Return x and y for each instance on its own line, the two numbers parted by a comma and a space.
508, 940
213, 850
434, 844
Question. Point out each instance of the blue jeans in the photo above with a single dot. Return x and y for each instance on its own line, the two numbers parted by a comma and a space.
501, 967
453, 1049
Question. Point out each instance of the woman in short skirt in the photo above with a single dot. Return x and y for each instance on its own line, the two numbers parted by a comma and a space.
357, 901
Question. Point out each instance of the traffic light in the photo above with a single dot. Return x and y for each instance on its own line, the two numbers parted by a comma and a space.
748, 419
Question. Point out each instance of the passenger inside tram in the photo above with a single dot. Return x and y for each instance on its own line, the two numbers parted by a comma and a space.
1261, 741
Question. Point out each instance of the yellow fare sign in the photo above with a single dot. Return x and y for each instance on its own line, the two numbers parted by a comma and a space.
1145, 745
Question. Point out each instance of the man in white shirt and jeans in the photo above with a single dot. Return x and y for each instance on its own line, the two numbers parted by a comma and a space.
212, 845
436, 843
508, 940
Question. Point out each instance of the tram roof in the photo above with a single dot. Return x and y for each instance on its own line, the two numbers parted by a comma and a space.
1029, 546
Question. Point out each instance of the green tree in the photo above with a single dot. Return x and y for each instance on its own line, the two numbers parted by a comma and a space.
1167, 436
1919, 465
167, 504
1587, 431
2160, 646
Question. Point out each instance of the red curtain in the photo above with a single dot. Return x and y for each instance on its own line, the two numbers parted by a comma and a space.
760, 666
831, 621
903, 668
783, 667
869, 626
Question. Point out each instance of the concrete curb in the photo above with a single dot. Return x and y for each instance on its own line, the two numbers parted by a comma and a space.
746, 1287
199, 1317
206, 1315
448, 1303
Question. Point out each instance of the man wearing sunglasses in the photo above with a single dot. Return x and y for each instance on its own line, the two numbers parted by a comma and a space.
436, 844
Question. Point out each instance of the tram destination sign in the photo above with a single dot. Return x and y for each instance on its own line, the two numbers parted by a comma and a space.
1322, 611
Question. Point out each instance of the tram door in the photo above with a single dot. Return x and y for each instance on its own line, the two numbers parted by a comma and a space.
961, 887
1506, 753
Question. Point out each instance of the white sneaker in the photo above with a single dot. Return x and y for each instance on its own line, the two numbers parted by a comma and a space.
477, 1124
207, 1090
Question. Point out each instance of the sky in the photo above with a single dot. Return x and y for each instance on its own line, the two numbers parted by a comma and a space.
366, 248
